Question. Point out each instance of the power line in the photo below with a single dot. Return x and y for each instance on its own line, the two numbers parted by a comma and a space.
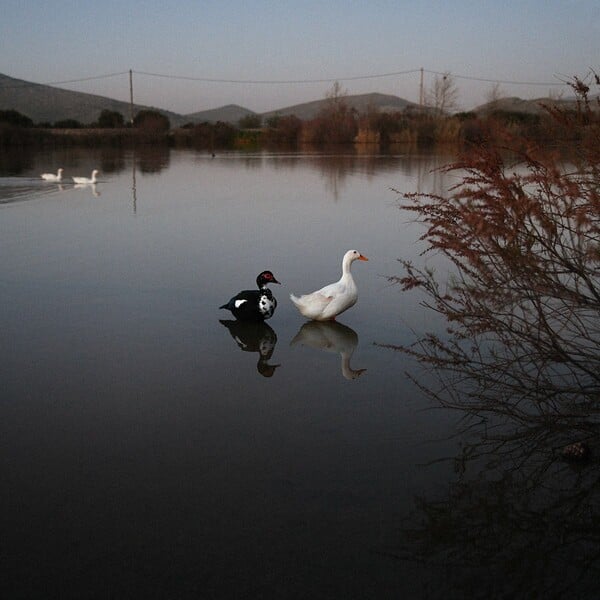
277, 81
29, 84
352, 78
289, 81
505, 81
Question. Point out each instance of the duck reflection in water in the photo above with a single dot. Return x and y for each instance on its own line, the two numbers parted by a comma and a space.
331, 336
255, 336
89, 186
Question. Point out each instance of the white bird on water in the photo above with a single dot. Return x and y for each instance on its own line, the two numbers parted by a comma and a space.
84, 180
333, 299
52, 176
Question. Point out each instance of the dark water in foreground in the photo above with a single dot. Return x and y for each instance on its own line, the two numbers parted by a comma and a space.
149, 450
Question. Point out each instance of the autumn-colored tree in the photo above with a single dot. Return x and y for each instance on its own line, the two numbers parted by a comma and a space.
337, 121
111, 119
151, 121
283, 130
521, 232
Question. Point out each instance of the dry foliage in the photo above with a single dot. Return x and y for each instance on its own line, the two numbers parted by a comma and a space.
522, 229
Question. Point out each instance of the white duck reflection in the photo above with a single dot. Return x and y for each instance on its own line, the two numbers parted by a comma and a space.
254, 336
90, 186
331, 336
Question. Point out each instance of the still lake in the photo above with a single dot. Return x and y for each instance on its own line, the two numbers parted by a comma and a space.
151, 450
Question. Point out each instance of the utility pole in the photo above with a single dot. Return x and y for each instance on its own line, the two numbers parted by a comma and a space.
421, 94
131, 97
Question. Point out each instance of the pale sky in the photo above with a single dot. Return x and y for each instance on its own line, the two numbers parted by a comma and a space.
537, 41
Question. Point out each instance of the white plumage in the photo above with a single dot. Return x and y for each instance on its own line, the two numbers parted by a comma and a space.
84, 180
52, 176
333, 299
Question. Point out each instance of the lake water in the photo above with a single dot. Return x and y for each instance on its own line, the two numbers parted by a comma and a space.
151, 450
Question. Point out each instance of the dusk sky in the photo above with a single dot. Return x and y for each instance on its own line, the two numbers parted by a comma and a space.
185, 43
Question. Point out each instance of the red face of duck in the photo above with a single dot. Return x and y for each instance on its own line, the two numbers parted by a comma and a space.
266, 277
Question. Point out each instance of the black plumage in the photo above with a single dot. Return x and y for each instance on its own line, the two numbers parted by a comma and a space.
254, 305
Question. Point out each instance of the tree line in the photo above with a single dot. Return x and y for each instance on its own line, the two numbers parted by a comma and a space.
338, 122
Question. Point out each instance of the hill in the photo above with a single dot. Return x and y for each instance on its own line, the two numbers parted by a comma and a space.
231, 113
361, 102
531, 107
44, 103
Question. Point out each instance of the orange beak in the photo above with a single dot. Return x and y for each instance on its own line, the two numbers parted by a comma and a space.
361, 257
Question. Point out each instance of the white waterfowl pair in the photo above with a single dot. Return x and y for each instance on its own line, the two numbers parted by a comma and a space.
333, 299
78, 180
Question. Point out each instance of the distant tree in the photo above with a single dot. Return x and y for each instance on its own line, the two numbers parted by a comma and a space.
213, 135
15, 118
151, 121
284, 130
68, 124
250, 121
494, 93
443, 94
273, 122
111, 119
336, 122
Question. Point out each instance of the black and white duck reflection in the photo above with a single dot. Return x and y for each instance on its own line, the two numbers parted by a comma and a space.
254, 336
254, 305
331, 336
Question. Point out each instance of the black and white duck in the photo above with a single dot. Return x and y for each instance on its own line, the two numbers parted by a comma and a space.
254, 305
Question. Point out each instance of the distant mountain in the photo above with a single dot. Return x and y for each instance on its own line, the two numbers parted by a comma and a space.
231, 113
361, 102
44, 103
518, 105
305, 111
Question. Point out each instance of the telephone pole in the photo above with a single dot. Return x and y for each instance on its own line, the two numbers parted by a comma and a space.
131, 97
421, 93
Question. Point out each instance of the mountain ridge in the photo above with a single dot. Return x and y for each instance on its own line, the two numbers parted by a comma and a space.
45, 103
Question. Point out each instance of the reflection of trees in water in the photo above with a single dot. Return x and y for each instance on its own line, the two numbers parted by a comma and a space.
514, 531
521, 361
337, 167
16, 161
519, 518
112, 160
152, 158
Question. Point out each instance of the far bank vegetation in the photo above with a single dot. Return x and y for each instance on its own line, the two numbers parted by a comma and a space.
436, 123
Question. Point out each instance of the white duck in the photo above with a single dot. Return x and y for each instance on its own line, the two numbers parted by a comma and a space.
52, 176
85, 180
333, 299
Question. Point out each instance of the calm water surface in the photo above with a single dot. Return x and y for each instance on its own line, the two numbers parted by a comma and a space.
153, 448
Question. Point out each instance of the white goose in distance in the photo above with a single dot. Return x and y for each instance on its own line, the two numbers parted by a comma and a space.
86, 180
333, 299
52, 176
